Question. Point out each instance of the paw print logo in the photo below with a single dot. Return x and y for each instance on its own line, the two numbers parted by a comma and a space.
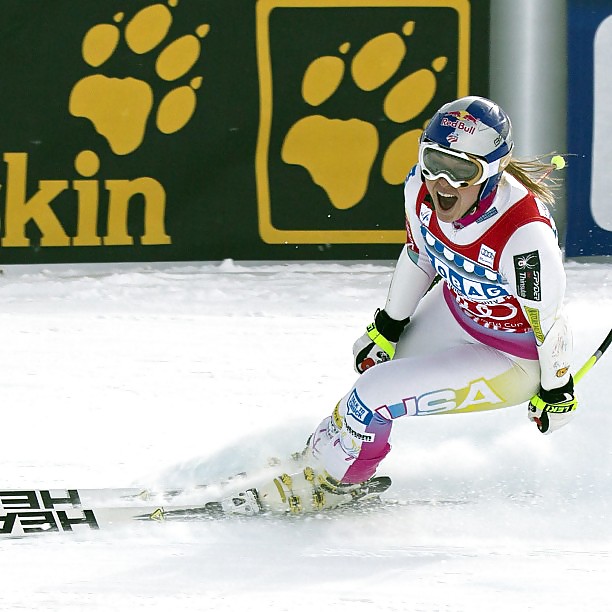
119, 108
339, 154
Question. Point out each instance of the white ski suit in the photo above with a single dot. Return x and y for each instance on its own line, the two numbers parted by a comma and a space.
485, 337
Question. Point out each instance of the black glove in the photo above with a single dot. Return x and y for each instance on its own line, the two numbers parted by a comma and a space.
553, 409
378, 343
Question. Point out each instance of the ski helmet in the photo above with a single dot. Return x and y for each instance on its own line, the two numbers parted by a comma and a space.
468, 142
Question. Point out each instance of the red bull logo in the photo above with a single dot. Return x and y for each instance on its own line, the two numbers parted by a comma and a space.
460, 120
463, 116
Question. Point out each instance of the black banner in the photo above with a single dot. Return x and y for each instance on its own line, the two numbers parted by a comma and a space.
210, 129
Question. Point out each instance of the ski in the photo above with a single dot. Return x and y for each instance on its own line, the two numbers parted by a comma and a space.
35, 511
247, 503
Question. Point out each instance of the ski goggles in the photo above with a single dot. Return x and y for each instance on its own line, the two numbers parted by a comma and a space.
458, 168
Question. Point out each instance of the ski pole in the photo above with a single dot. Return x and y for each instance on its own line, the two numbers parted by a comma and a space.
592, 360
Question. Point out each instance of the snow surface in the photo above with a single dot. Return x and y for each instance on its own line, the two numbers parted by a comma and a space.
175, 374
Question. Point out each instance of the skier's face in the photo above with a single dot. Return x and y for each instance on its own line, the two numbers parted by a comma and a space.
451, 203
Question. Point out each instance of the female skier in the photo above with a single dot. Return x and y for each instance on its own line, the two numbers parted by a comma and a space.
491, 334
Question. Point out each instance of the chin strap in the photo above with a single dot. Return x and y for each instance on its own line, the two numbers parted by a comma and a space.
476, 211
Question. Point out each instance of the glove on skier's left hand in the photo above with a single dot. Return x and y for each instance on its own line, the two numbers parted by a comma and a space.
553, 409
378, 343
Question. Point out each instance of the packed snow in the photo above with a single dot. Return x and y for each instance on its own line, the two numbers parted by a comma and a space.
180, 374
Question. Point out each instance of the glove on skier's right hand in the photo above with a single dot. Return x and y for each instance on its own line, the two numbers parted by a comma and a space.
378, 343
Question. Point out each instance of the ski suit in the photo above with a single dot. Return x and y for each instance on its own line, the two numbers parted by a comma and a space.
485, 337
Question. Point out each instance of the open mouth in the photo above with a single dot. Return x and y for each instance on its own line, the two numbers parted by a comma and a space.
446, 200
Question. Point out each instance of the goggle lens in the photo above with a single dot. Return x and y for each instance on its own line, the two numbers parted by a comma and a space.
460, 172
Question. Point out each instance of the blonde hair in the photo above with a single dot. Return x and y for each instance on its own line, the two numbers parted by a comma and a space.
535, 174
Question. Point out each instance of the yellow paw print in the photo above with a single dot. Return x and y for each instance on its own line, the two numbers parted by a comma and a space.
339, 154
119, 108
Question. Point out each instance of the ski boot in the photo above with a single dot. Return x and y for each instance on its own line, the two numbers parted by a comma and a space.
311, 491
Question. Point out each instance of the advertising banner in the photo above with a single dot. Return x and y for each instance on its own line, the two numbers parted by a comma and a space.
189, 130
589, 211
